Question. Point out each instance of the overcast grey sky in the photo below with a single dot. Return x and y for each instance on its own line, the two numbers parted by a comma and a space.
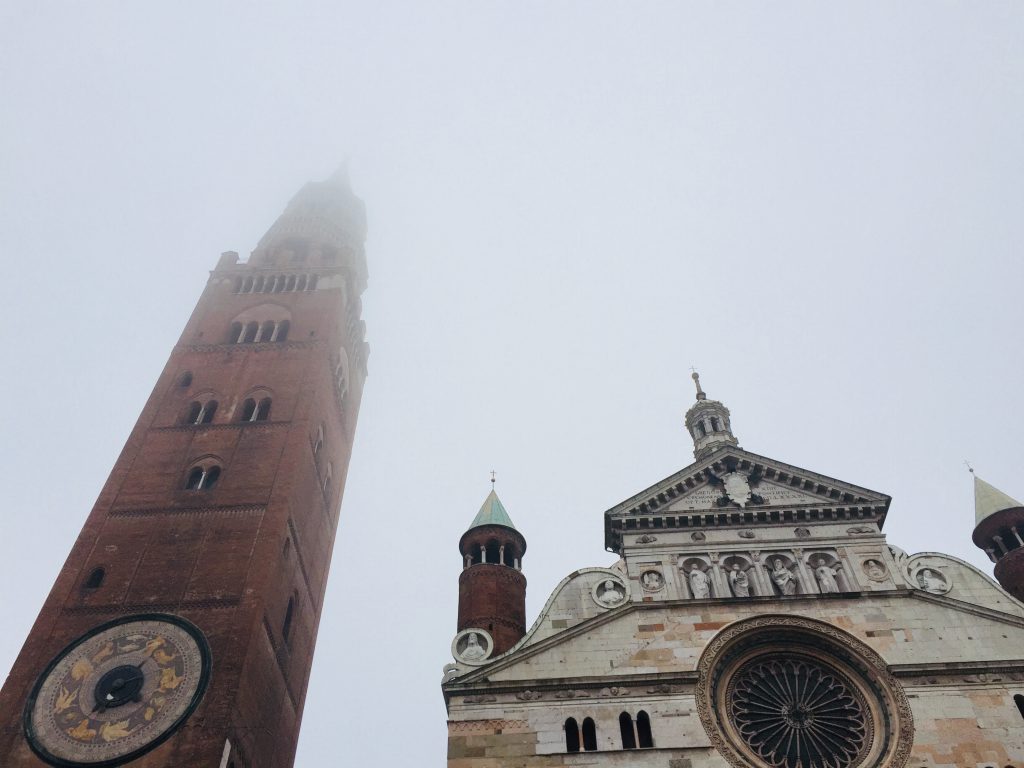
819, 205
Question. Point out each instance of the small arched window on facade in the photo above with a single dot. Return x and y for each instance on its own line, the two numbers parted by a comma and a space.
185, 380
95, 580
626, 730
202, 478
1019, 701
572, 735
589, 735
643, 730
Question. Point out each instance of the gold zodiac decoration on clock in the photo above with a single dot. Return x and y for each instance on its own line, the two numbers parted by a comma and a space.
118, 691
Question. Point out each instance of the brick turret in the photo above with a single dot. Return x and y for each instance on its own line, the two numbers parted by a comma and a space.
999, 531
492, 588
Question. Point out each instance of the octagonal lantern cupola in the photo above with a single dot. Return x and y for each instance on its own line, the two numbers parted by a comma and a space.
707, 421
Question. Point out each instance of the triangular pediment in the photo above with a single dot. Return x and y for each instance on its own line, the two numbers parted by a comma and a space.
734, 482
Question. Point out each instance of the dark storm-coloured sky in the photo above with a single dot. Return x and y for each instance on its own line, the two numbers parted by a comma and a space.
816, 204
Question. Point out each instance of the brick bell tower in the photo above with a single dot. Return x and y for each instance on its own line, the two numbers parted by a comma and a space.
180, 631
492, 587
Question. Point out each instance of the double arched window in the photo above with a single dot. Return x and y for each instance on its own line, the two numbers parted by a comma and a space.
636, 734
255, 410
200, 412
202, 477
573, 733
255, 332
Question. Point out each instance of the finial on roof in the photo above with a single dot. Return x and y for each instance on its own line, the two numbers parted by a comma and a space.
493, 478
696, 380
969, 467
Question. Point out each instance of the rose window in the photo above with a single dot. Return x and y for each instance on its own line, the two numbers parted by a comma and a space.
794, 712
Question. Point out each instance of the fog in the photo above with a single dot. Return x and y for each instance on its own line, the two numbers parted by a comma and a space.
817, 205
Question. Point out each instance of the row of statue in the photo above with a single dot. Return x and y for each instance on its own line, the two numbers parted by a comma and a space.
782, 577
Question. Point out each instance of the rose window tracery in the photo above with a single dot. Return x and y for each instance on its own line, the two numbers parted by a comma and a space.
779, 691
794, 712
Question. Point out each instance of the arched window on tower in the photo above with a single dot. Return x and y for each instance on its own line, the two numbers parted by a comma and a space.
589, 735
572, 735
248, 409
319, 444
1019, 701
493, 551
281, 331
267, 331
327, 482
249, 334
202, 478
185, 380
247, 285
626, 730
701, 429
643, 730
95, 580
714, 424
300, 285
289, 614
200, 413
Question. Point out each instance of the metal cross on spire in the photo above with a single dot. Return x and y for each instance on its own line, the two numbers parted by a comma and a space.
493, 477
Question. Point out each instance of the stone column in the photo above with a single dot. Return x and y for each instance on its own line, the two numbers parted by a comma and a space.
808, 584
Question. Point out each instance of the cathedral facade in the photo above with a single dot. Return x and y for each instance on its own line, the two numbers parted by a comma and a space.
757, 618
180, 630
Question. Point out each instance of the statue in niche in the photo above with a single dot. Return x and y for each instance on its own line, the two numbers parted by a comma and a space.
611, 593
874, 570
473, 650
783, 578
739, 581
931, 581
699, 584
826, 576
652, 581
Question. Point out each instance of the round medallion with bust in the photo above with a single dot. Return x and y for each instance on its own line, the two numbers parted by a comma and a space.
118, 691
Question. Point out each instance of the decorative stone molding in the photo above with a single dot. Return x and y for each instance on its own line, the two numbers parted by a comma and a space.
529, 695
735, 657
462, 726
481, 699
646, 539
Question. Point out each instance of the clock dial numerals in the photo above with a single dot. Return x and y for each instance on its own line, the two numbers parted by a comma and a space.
118, 691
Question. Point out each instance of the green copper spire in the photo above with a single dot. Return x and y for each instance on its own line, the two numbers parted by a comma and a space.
989, 500
492, 512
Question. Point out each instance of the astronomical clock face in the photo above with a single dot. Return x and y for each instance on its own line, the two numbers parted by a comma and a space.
118, 691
